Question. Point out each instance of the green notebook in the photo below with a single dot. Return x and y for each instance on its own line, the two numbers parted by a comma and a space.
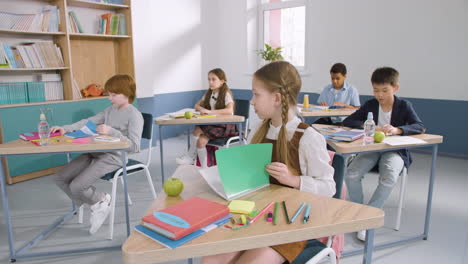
240, 170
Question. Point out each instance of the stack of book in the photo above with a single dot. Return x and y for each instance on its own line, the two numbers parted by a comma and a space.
346, 135
40, 54
183, 222
46, 21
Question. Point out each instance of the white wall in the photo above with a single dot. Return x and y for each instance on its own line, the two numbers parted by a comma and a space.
426, 41
175, 44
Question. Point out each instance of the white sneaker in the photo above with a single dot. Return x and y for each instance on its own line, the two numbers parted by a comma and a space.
361, 235
186, 159
99, 213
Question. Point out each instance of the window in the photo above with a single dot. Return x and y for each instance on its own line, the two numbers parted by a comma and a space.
283, 23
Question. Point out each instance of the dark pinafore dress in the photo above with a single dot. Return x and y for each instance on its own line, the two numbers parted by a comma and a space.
291, 250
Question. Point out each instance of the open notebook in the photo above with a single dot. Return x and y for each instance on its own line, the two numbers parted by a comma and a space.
240, 170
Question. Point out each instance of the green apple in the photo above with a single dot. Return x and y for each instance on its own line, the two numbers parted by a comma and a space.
173, 186
188, 115
379, 136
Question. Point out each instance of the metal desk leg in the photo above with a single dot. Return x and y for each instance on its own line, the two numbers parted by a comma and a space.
188, 139
241, 139
6, 213
161, 153
124, 175
429, 193
368, 246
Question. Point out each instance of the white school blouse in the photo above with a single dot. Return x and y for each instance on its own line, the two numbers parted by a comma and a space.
214, 98
314, 160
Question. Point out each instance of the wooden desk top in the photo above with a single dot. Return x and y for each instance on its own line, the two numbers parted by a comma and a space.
25, 147
328, 216
166, 120
357, 146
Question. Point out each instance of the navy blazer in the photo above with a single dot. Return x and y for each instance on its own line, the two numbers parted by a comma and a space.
403, 117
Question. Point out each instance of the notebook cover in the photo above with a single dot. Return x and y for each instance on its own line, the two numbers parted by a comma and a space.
185, 217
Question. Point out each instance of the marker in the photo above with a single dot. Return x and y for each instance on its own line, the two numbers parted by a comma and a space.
206, 116
275, 216
270, 216
286, 211
297, 212
306, 214
261, 213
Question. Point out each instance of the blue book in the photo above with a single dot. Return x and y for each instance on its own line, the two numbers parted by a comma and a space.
346, 135
176, 243
89, 129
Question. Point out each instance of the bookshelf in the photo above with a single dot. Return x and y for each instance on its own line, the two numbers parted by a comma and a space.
88, 58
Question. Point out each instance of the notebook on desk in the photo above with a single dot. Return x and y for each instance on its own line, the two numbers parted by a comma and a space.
240, 170
346, 135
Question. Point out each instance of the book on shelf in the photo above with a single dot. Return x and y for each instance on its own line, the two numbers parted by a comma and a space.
346, 135
76, 90
30, 92
185, 217
75, 24
45, 21
39, 54
177, 243
112, 24
240, 170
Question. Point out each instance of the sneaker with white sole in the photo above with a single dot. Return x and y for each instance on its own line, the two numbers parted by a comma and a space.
186, 159
361, 235
99, 213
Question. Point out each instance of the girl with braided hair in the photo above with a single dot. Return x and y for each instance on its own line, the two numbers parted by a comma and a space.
300, 157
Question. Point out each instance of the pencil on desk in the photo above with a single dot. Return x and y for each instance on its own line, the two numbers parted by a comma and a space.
261, 213
297, 212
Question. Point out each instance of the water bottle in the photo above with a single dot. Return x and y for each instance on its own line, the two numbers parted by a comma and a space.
369, 129
43, 130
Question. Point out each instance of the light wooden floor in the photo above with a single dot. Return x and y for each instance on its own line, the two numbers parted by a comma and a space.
34, 204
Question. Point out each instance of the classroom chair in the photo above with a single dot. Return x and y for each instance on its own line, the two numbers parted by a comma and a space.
133, 166
242, 109
334, 245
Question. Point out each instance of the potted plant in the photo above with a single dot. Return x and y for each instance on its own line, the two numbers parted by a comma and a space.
270, 54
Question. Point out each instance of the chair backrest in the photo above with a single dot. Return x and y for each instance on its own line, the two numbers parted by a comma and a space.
243, 109
148, 134
147, 126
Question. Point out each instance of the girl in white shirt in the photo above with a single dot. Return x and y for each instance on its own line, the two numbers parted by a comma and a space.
217, 100
300, 157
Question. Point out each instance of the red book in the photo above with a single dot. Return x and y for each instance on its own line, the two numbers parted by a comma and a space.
35, 135
185, 217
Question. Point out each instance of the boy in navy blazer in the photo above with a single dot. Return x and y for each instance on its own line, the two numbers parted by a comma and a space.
393, 116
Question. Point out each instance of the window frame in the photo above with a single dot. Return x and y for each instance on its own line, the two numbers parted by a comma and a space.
262, 7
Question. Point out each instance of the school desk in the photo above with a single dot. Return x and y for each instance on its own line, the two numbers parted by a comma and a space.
346, 149
328, 216
20, 147
165, 120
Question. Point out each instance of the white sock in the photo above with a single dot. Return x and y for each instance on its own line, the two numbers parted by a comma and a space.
202, 156
193, 146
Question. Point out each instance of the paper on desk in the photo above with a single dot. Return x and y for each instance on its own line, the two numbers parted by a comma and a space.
181, 112
402, 140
